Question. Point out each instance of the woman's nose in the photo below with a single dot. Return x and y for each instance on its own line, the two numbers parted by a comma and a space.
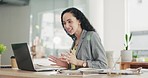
66, 26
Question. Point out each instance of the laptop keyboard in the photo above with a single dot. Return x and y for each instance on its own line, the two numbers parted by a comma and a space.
37, 66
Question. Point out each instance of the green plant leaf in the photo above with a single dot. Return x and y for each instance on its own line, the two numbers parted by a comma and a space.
130, 37
126, 48
126, 38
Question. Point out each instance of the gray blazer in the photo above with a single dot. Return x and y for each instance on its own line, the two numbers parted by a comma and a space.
91, 50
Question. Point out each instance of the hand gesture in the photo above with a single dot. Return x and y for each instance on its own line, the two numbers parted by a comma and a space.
70, 57
58, 61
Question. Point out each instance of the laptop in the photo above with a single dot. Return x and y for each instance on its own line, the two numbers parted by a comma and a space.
24, 60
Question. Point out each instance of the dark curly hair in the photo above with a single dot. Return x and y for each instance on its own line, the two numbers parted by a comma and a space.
85, 24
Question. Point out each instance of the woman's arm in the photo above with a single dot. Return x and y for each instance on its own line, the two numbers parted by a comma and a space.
99, 59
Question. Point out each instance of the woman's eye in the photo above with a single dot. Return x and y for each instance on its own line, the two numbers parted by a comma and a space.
69, 21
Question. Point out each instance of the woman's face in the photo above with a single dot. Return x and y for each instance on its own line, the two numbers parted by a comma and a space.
71, 24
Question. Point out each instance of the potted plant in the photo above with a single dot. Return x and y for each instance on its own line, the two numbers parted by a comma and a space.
128, 38
135, 56
126, 54
2, 49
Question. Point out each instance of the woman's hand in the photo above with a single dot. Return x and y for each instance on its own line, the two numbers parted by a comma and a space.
70, 57
58, 61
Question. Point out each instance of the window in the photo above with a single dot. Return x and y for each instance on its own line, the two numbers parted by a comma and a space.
46, 29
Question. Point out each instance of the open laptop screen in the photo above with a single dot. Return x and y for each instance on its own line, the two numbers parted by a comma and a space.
22, 55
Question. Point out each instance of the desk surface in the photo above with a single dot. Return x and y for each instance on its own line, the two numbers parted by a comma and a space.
14, 73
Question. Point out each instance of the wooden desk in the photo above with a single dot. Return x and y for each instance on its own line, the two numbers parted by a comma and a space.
125, 65
15, 73
11, 73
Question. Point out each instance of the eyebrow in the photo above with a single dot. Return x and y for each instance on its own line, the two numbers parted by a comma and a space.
67, 20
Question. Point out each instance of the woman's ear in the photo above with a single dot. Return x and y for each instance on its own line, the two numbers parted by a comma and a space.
79, 22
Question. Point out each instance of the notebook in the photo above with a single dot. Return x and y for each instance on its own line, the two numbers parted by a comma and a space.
24, 60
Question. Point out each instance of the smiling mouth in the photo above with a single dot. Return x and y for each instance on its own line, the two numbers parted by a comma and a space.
69, 31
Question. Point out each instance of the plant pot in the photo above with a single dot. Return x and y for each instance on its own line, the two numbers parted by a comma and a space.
126, 55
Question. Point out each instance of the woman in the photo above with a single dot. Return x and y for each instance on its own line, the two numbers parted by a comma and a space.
87, 50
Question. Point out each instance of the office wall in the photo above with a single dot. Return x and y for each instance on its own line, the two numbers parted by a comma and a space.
137, 15
14, 27
114, 26
96, 16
